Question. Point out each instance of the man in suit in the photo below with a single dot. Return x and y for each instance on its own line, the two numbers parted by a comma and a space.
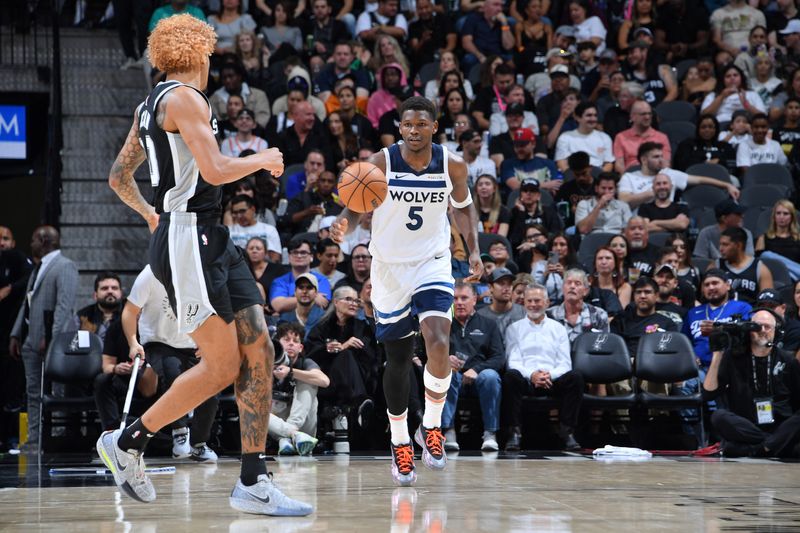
48, 309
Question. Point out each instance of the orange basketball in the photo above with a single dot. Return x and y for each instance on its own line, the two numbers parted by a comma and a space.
362, 187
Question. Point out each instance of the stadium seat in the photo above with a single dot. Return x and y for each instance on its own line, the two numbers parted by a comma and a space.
677, 131
768, 174
474, 76
761, 196
589, 245
780, 274
752, 217
603, 358
676, 111
702, 216
287, 172
658, 238
428, 72
762, 225
701, 264
710, 170
485, 240
703, 196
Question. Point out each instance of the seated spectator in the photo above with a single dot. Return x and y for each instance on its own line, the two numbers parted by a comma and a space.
328, 252
550, 273
283, 32
111, 385
296, 379
565, 117
667, 279
148, 313
107, 307
283, 287
607, 275
341, 66
263, 195
346, 351
307, 209
641, 254
227, 127
585, 139
780, 241
662, 214
360, 266
747, 274
298, 79
502, 256
588, 68
502, 310
641, 318
759, 149
731, 95
738, 130
175, 7
642, 15
477, 358
533, 250
490, 100
681, 30
385, 20
792, 89
533, 36
687, 273
307, 313
486, 33
528, 166
327, 29
493, 215
389, 78
550, 88
603, 213
608, 92
729, 215
787, 132
229, 22
636, 187
306, 134
764, 82
791, 318
620, 246
360, 124
244, 138
747, 431
684, 294
587, 26
539, 364
313, 165
529, 210
263, 270
705, 148
628, 142
360, 234
245, 227
746, 58
430, 34
657, 80
387, 51
617, 116
233, 76
342, 139
575, 190
699, 81
573, 313
731, 24
454, 103
516, 99
448, 64
471, 143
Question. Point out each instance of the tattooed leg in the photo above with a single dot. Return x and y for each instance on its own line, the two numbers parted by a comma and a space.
254, 384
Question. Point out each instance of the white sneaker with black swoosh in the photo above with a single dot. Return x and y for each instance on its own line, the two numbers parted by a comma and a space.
126, 466
266, 498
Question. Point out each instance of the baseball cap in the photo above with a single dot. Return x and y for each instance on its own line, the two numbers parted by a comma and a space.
309, 277
608, 55
524, 135
792, 27
500, 273
558, 69
716, 273
326, 222
529, 184
768, 296
246, 112
642, 30
667, 267
515, 109
487, 257
566, 31
297, 83
728, 207
639, 44
560, 52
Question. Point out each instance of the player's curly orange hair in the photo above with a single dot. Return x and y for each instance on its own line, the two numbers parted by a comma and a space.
180, 42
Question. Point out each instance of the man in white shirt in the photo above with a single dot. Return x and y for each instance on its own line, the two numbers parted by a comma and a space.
245, 227
585, 139
477, 165
539, 364
636, 188
603, 213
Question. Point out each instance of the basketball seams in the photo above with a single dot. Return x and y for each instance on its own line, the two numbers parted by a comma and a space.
349, 188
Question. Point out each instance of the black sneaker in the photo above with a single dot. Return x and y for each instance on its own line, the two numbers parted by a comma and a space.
514, 440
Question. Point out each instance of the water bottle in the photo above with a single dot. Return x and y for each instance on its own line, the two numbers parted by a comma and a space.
285, 256
340, 443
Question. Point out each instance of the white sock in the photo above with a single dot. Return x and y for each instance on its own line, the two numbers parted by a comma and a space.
433, 411
398, 425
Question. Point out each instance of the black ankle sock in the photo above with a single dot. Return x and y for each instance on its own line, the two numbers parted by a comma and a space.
253, 465
135, 436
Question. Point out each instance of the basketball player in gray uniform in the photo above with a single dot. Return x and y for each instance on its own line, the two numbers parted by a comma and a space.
411, 274
210, 288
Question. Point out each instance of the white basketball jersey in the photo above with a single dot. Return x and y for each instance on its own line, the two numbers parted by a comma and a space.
411, 224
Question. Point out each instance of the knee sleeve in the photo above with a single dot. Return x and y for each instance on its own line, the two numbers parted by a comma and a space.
396, 374
434, 384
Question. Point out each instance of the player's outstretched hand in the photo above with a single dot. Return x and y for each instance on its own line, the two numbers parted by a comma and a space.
475, 267
339, 229
272, 161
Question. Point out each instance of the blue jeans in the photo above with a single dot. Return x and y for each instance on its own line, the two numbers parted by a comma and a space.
488, 388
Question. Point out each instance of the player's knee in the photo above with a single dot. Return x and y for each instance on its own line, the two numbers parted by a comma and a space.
437, 343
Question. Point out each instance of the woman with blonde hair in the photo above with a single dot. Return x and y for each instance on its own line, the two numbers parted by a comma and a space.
387, 50
493, 215
782, 238
447, 63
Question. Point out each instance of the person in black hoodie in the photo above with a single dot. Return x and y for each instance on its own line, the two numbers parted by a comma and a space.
641, 318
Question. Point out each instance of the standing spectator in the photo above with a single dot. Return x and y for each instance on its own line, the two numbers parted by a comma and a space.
528, 166
662, 214
641, 318
731, 95
477, 358
585, 139
729, 215
107, 307
759, 149
283, 287
747, 274
477, 165
245, 227
244, 138
539, 364
627, 143
731, 25
573, 313
603, 213
232, 76
587, 26
306, 134
502, 311
657, 80
138, 13
486, 33
293, 419
327, 30
47, 311
681, 30
529, 210
385, 20
430, 34
705, 148
307, 313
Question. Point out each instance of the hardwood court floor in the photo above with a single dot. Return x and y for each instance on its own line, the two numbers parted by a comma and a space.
561, 493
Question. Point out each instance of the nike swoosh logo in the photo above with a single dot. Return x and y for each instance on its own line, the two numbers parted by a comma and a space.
439, 257
262, 456
400, 176
263, 500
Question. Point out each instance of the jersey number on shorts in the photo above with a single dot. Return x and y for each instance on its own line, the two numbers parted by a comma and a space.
416, 219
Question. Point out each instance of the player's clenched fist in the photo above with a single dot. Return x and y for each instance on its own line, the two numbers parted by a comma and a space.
272, 161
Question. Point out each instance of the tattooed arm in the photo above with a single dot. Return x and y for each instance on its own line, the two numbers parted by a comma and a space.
120, 179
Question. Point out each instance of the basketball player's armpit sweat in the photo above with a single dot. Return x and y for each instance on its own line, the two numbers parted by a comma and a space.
254, 384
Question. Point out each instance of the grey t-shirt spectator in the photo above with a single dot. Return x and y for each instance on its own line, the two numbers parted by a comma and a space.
612, 218
707, 245
503, 320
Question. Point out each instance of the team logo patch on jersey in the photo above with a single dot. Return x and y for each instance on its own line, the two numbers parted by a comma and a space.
204, 239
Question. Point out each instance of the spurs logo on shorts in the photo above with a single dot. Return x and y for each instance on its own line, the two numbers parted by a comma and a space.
191, 312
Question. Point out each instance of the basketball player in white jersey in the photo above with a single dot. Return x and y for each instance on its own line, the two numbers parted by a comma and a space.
211, 290
411, 274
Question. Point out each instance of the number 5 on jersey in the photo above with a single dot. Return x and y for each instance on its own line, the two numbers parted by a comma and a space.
416, 218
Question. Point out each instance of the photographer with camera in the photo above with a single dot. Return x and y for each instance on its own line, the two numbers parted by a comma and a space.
293, 420
757, 386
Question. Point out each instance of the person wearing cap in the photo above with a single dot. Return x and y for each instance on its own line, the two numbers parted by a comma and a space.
501, 145
299, 79
564, 38
627, 142
791, 38
748, 275
486, 32
666, 277
790, 340
282, 290
244, 139
657, 79
684, 294
681, 32
233, 76
540, 84
586, 139
550, 88
498, 122
539, 364
502, 310
470, 143
573, 313
602, 213
245, 226
478, 359
636, 187
328, 253
729, 215
528, 165
307, 313
529, 210
731, 24
389, 77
